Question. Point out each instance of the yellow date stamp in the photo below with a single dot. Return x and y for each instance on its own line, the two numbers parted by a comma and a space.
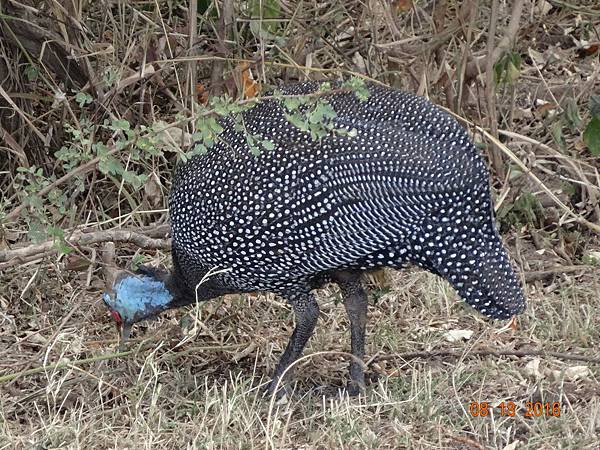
511, 409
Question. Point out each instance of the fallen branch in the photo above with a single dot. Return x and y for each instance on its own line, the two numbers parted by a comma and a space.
486, 352
142, 240
404, 356
549, 273
34, 33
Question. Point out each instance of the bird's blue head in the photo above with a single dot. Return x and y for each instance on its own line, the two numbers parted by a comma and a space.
135, 297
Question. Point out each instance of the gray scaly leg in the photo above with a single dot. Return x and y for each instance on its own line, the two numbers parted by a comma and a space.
355, 301
306, 310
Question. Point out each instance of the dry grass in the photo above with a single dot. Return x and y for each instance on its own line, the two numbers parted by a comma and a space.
193, 379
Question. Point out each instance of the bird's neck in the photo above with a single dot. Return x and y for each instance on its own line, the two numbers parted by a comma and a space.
184, 294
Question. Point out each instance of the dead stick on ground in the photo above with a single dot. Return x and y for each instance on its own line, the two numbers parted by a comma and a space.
517, 353
550, 272
14, 256
403, 356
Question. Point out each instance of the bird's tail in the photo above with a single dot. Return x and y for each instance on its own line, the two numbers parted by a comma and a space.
469, 253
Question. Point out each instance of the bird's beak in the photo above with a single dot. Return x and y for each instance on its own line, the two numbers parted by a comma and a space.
124, 331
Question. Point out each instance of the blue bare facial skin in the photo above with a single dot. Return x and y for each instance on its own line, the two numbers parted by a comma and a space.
135, 298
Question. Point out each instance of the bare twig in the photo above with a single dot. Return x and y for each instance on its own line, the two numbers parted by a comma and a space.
548, 273
487, 352
15, 256
495, 153
224, 33
14, 147
192, 72
592, 226
466, 18
60, 366
10, 101
475, 67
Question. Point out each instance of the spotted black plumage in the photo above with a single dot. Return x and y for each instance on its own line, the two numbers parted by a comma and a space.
405, 185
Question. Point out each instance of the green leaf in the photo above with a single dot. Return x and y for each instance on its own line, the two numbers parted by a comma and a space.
110, 76
317, 131
56, 232
133, 179
264, 9
325, 86
512, 73
254, 149
591, 136
199, 149
111, 166
214, 126
32, 72
209, 142
268, 145
120, 124
147, 144
557, 133
62, 247
239, 126
83, 98
222, 106
101, 149
352, 132
359, 87
137, 261
297, 121
322, 112
292, 103
508, 68
572, 116
36, 231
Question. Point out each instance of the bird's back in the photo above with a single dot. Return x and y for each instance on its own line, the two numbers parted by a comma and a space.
375, 194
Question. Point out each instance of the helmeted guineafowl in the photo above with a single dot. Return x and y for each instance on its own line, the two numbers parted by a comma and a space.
403, 185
